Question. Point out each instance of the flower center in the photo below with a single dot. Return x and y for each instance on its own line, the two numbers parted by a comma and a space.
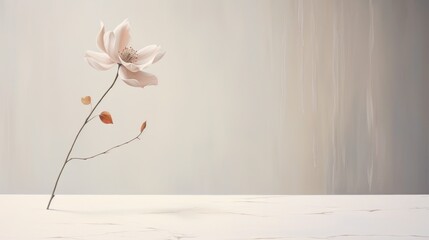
128, 54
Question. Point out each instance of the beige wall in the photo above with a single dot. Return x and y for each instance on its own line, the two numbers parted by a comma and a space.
273, 97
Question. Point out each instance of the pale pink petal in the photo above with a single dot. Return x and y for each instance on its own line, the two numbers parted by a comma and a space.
146, 55
122, 34
99, 61
100, 38
99, 57
130, 66
97, 65
159, 55
137, 79
111, 46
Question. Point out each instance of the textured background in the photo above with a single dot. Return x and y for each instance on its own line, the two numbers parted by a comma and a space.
255, 97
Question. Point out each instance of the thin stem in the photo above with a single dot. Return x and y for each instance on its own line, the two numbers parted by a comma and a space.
89, 120
108, 150
77, 135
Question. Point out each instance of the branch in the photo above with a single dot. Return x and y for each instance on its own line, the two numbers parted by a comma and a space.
108, 150
77, 136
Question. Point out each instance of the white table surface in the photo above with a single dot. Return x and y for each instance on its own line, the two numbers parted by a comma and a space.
175, 217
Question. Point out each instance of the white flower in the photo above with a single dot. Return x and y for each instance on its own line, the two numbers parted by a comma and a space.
115, 50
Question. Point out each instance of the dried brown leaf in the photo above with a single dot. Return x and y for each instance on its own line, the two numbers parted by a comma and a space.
105, 117
142, 127
86, 100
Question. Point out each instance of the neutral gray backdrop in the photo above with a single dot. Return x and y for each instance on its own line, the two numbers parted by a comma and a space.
254, 97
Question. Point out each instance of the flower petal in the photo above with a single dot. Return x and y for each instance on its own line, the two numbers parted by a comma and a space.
146, 55
137, 79
97, 65
159, 55
130, 66
100, 38
122, 33
99, 57
99, 61
111, 46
